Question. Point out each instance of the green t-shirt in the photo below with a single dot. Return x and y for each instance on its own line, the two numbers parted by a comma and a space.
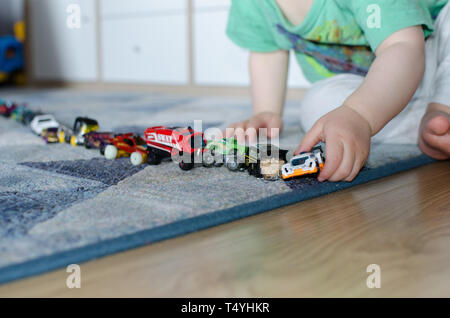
337, 36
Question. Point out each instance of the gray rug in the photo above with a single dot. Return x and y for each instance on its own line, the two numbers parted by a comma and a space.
61, 204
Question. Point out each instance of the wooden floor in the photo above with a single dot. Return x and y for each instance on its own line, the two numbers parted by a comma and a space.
321, 247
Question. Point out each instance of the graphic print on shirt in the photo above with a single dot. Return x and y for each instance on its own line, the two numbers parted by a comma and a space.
336, 58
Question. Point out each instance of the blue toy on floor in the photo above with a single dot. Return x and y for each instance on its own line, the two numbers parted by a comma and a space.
11, 58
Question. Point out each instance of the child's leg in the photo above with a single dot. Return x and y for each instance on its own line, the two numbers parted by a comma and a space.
326, 95
434, 131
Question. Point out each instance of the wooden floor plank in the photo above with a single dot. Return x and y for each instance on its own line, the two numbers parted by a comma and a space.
320, 247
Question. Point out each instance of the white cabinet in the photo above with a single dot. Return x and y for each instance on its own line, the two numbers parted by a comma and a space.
112, 8
146, 49
208, 4
60, 52
139, 41
145, 41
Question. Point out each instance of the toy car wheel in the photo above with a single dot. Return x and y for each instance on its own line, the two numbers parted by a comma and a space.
102, 150
73, 141
208, 159
186, 166
153, 158
61, 137
86, 144
136, 158
234, 161
111, 152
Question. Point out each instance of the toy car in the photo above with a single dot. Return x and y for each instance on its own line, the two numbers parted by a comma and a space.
304, 164
23, 114
183, 145
50, 135
41, 122
82, 126
127, 145
6, 108
264, 161
99, 140
64, 134
216, 152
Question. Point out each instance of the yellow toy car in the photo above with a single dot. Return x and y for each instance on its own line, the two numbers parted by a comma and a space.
82, 126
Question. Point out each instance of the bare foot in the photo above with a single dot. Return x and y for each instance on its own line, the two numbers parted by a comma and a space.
434, 134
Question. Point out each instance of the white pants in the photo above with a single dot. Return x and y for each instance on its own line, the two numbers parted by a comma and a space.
328, 94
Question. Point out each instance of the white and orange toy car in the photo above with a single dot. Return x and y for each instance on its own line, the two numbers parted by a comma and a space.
304, 164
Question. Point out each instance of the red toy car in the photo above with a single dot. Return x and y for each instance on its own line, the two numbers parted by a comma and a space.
184, 145
7, 108
127, 145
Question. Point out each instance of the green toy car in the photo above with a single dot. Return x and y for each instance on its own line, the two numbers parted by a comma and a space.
226, 150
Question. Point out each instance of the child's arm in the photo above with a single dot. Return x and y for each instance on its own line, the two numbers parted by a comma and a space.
268, 75
389, 86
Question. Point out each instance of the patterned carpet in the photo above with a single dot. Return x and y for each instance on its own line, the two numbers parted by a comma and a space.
61, 204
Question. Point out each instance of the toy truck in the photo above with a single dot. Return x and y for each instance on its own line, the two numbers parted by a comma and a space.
261, 161
265, 161
183, 145
308, 163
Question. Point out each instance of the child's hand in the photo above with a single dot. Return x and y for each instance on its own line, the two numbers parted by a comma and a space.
347, 136
251, 127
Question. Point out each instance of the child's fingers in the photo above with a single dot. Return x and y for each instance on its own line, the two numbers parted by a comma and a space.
230, 131
252, 128
312, 138
239, 133
356, 168
334, 152
346, 166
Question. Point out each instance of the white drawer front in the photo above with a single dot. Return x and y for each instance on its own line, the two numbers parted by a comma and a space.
59, 52
109, 8
206, 4
148, 50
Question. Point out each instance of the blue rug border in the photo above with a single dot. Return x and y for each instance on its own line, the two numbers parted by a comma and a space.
89, 252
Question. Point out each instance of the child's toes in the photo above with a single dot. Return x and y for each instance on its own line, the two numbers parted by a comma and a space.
438, 126
435, 136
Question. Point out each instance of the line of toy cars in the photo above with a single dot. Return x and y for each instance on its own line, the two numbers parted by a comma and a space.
183, 145
188, 148
20, 113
